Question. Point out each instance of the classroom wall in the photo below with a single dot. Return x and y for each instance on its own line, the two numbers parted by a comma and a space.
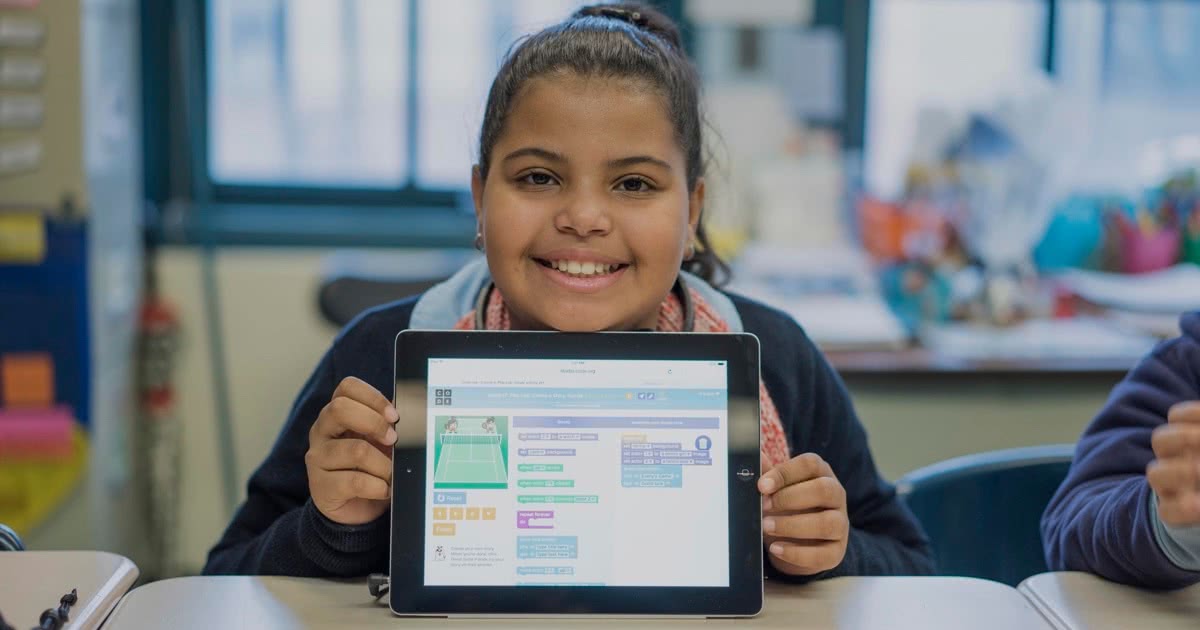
273, 336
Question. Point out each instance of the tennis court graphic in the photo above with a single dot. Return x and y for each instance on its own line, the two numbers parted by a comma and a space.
471, 452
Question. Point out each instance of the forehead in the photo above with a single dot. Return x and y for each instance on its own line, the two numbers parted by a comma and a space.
614, 117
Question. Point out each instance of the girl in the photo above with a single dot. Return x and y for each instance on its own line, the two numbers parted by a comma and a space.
588, 195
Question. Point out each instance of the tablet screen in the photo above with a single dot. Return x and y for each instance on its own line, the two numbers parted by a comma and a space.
576, 472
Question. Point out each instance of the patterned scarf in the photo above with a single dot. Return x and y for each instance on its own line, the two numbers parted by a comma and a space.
671, 318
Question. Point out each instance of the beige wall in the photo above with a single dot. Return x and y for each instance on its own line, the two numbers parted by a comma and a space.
273, 337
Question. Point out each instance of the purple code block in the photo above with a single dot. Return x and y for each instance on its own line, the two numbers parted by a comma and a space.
546, 452
525, 516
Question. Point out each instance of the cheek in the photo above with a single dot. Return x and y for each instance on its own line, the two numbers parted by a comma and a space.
510, 224
656, 236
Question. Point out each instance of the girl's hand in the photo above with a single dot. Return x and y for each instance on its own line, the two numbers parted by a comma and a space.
805, 524
1175, 473
349, 456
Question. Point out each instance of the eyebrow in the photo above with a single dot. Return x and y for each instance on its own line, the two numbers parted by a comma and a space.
639, 159
551, 156
539, 152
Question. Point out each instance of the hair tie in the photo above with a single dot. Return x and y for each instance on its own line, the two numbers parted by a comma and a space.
616, 13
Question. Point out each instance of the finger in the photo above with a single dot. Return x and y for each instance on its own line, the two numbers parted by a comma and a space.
764, 465
351, 455
816, 526
1175, 439
822, 492
345, 415
797, 469
1185, 412
804, 559
1181, 510
352, 484
1172, 476
360, 390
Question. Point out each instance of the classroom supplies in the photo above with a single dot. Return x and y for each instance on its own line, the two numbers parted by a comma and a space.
1074, 235
1191, 236
26, 379
1145, 243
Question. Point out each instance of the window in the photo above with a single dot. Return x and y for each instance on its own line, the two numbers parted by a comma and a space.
373, 94
945, 55
1132, 69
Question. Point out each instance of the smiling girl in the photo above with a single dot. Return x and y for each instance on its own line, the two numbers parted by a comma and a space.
588, 194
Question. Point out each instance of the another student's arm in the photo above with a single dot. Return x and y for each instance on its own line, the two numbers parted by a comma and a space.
1105, 519
279, 530
884, 537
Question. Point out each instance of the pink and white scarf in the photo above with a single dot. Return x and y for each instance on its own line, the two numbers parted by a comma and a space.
671, 318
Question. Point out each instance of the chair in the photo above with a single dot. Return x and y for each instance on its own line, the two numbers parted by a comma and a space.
9, 540
982, 511
342, 299
354, 281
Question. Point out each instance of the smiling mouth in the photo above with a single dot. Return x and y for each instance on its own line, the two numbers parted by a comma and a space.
581, 269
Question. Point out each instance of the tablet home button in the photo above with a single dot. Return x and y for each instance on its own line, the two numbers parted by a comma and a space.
745, 474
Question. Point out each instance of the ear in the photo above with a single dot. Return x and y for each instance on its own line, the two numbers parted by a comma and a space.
477, 196
695, 207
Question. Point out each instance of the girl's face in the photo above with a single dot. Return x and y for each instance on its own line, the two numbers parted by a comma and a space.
586, 212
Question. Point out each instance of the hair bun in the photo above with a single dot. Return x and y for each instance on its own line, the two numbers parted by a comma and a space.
644, 17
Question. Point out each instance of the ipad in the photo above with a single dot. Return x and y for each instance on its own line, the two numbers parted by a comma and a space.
576, 474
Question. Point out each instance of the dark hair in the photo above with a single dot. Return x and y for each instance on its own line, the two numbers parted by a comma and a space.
625, 39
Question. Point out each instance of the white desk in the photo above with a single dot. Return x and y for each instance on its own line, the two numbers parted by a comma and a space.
32, 581
277, 603
1081, 601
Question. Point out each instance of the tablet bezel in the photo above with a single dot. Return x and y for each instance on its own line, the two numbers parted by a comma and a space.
408, 593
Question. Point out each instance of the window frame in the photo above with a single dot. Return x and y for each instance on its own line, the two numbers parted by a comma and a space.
408, 195
185, 205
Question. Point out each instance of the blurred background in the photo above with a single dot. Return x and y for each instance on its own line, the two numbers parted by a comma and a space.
984, 211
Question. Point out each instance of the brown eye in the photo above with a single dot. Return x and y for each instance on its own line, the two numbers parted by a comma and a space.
538, 179
634, 185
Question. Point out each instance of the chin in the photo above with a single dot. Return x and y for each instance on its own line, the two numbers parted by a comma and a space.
571, 316
564, 322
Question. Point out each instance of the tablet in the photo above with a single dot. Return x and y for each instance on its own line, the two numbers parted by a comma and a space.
576, 474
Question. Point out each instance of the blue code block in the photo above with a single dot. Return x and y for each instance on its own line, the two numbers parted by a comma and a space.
545, 570
547, 547
656, 476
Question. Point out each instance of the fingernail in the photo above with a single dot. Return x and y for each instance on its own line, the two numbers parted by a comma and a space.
391, 415
767, 503
776, 549
390, 438
766, 484
768, 525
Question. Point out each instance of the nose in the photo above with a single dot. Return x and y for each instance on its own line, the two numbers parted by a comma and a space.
584, 214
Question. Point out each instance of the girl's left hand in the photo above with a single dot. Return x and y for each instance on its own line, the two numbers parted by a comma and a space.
805, 524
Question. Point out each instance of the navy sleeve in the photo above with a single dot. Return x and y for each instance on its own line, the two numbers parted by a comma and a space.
885, 538
278, 530
1101, 520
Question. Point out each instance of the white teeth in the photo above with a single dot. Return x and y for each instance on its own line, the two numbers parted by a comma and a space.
577, 268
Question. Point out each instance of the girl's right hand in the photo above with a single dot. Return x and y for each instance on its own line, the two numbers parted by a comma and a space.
349, 456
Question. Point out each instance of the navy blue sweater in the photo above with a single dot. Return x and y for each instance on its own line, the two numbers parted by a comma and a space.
278, 530
1101, 519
